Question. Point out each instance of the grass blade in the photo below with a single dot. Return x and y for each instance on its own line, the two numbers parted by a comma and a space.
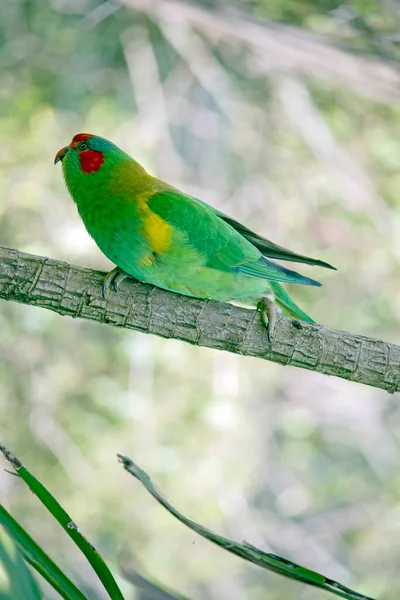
94, 558
279, 565
38, 559
18, 583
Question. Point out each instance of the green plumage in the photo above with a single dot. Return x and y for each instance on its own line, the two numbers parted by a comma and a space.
159, 235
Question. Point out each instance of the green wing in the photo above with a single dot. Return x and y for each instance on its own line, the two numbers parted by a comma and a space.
223, 247
266, 247
270, 249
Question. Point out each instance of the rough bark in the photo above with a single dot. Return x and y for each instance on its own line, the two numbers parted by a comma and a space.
76, 292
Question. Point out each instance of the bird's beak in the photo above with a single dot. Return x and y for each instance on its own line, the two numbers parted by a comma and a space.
60, 154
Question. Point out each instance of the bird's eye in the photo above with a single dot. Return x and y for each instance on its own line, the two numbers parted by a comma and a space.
82, 146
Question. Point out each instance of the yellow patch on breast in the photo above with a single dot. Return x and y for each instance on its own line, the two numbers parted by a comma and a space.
158, 232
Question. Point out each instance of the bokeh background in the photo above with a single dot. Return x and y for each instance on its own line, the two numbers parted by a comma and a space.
285, 115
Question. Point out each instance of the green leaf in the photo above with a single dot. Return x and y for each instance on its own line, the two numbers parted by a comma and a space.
36, 557
272, 562
48, 500
16, 580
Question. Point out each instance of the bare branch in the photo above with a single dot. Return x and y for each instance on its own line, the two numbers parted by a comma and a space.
76, 292
282, 48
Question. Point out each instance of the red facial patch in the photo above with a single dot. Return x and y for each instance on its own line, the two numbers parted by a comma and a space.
91, 160
80, 137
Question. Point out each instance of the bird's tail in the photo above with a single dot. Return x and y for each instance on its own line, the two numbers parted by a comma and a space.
289, 308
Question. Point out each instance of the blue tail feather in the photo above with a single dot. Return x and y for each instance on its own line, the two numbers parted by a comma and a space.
267, 269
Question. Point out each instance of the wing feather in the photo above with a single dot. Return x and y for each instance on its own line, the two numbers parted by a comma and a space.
269, 249
223, 247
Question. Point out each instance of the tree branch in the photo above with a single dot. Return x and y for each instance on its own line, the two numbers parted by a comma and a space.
76, 292
282, 48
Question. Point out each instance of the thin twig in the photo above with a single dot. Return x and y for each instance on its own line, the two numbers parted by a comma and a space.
282, 48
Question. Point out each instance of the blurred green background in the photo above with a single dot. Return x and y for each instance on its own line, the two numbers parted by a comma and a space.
285, 115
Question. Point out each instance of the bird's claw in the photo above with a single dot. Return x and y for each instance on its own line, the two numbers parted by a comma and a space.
114, 278
270, 314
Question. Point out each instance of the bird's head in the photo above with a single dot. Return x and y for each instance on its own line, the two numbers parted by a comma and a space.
92, 164
86, 153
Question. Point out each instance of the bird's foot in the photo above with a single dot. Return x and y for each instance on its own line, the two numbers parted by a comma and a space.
114, 278
270, 314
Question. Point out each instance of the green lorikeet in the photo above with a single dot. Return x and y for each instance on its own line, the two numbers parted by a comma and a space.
157, 234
